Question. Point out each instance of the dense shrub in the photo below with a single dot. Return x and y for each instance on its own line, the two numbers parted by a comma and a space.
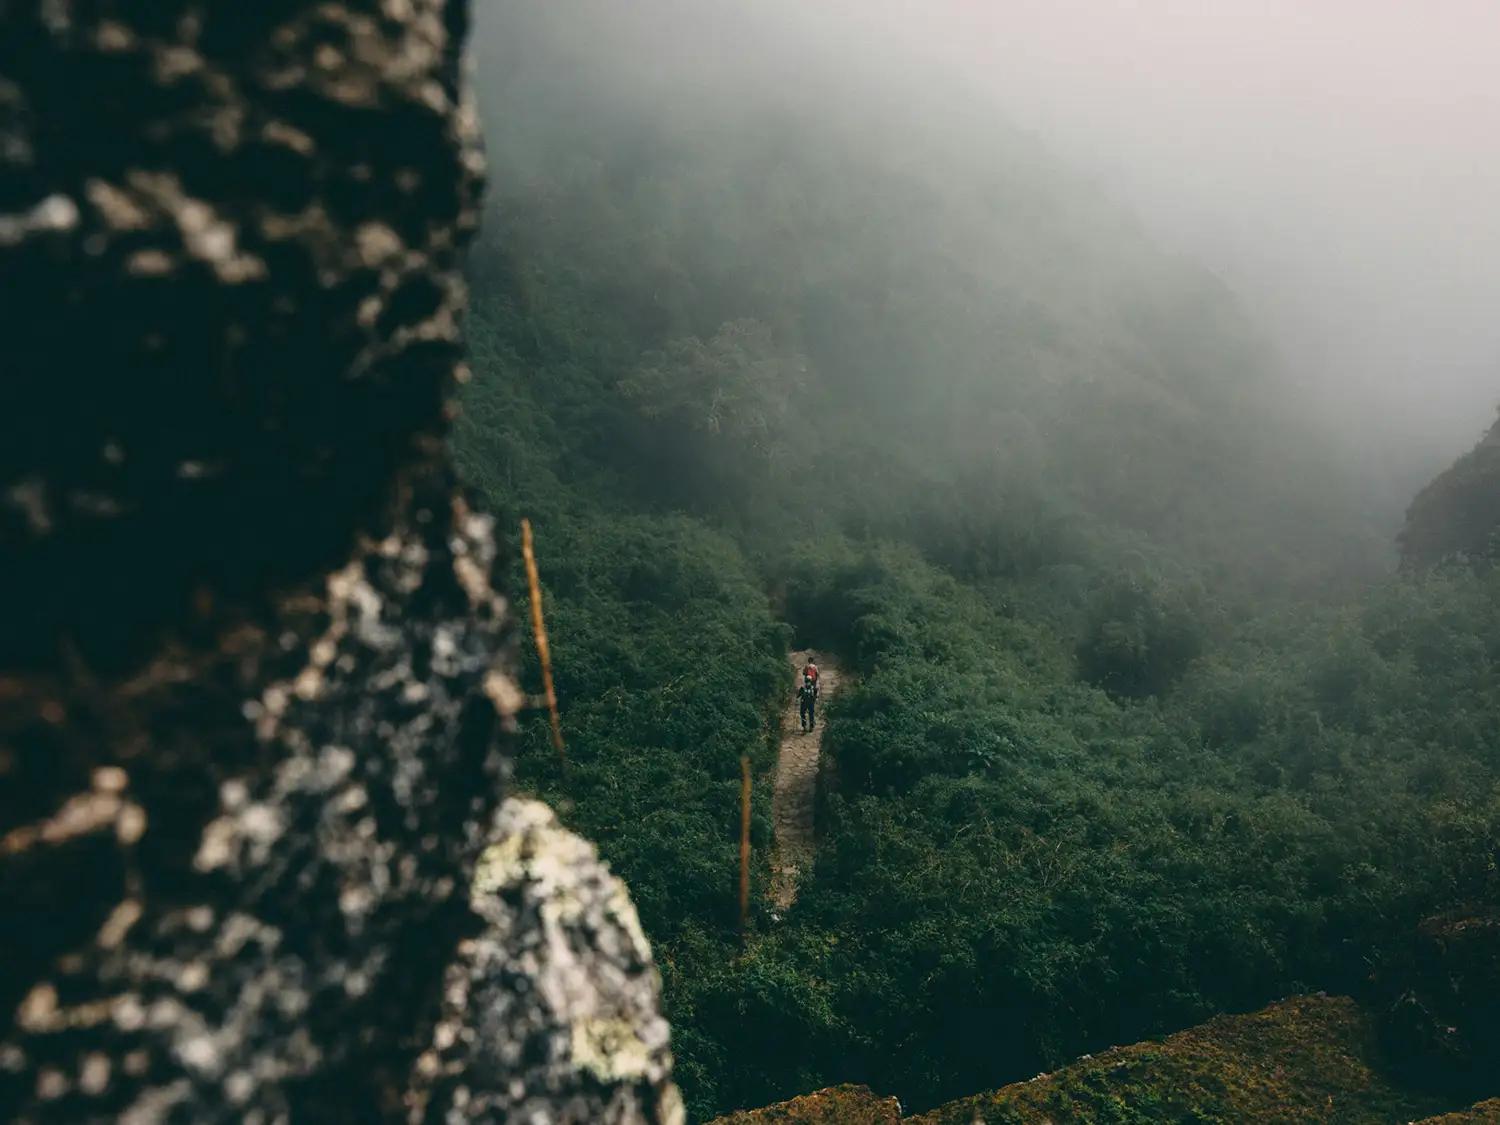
1139, 640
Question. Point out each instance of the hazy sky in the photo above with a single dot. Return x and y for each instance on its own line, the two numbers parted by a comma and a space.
1338, 161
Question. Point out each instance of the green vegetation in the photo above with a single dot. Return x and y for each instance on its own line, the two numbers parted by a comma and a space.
1141, 732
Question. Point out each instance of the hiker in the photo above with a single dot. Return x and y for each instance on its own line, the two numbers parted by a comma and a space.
807, 702
810, 669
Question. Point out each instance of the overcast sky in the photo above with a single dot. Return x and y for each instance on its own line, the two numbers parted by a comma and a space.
1338, 161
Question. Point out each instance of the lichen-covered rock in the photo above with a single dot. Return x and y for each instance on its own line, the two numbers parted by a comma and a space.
254, 676
231, 238
225, 913
560, 985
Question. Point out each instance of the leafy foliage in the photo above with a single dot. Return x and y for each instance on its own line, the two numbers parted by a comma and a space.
1139, 640
720, 414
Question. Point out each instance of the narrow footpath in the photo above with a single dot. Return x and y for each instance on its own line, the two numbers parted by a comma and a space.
797, 784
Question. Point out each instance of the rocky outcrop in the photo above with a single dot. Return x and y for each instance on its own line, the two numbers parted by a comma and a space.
231, 237
1457, 516
254, 675
559, 987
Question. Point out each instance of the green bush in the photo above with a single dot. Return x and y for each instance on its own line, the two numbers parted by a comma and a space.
1139, 640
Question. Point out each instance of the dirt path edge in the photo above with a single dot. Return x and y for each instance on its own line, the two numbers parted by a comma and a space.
795, 798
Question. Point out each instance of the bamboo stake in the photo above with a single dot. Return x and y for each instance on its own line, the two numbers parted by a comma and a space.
744, 847
539, 631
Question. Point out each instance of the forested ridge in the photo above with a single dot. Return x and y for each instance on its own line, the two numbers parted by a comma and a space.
1146, 726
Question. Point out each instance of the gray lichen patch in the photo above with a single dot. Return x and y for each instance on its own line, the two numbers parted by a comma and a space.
56, 214
553, 1013
612, 1050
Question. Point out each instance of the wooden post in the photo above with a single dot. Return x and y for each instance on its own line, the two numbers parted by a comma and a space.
744, 847
539, 631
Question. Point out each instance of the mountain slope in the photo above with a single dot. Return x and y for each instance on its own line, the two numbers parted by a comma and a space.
1309, 1058
739, 278
1458, 514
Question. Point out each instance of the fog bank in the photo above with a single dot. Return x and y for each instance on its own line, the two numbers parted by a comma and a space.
1337, 162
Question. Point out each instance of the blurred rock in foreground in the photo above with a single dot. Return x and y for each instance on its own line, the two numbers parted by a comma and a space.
254, 677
